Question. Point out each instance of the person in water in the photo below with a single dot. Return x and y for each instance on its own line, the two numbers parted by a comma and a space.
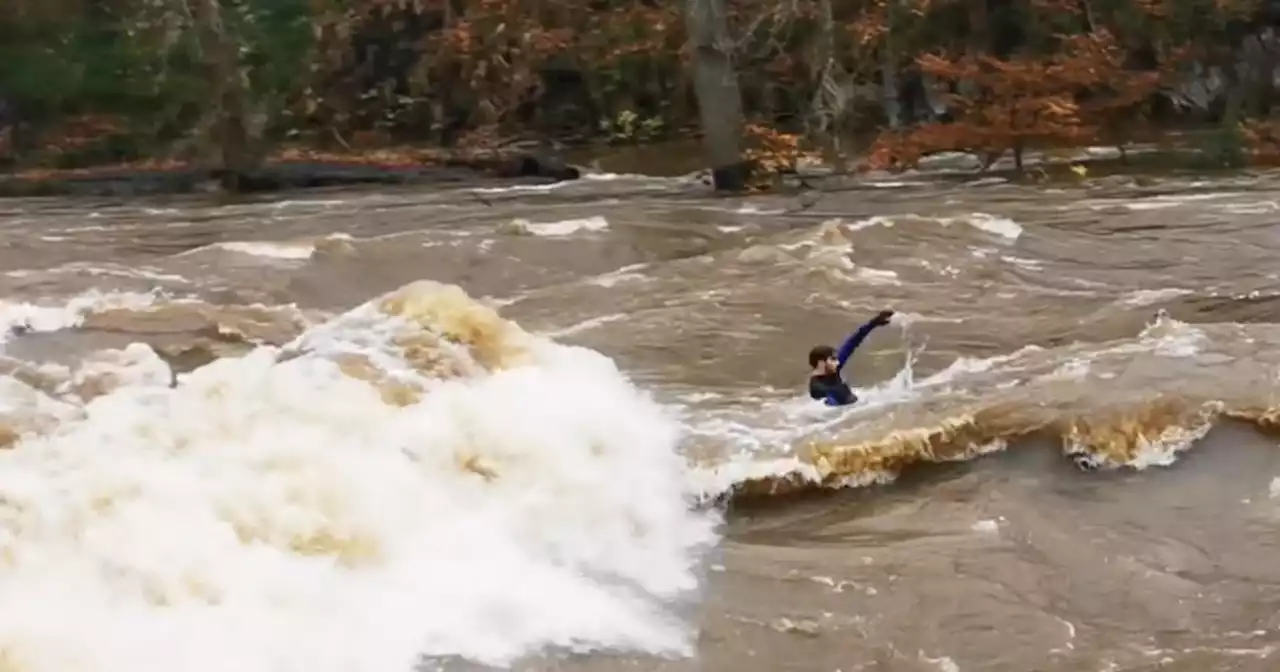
825, 382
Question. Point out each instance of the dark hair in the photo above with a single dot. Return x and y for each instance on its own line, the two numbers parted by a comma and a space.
819, 353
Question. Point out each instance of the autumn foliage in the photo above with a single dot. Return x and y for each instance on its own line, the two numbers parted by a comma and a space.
772, 153
331, 78
1073, 97
1262, 141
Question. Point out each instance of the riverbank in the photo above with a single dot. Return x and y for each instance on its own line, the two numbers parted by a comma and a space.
298, 169
292, 170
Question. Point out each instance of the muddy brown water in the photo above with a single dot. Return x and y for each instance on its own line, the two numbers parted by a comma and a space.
1062, 461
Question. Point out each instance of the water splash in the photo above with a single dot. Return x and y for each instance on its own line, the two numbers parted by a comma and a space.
273, 512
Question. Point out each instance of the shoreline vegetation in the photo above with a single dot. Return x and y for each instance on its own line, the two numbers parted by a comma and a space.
289, 171
133, 97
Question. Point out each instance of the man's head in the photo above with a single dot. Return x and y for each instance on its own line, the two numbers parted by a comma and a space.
823, 357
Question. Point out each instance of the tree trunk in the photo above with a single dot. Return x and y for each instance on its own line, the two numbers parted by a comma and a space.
716, 85
230, 130
889, 85
889, 88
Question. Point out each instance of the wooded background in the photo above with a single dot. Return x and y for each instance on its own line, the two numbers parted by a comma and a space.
85, 82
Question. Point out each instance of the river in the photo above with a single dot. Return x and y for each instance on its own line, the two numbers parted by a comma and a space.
564, 427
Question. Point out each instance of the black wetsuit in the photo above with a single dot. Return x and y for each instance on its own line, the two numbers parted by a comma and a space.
830, 387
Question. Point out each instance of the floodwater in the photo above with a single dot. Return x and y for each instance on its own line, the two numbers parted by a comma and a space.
564, 428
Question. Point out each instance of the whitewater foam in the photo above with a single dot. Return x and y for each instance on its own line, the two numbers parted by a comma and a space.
645, 181
586, 325
19, 316
558, 228
621, 275
272, 512
1002, 227
1148, 297
267, 250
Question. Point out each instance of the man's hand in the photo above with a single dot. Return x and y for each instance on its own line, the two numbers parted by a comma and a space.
883, 318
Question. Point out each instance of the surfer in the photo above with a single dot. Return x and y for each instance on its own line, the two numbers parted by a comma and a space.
825, 382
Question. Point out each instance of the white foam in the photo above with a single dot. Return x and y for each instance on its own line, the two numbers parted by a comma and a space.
111, 270
986, 526
1162, 201
875, 276
46, 318
1075, 368
289, 251
1147, 297
624, 274
268, 516
718, 479
868, 223
613, 177
586, 325
1025, 264
753, 209
1254, 208
646, 180
282, 250
943, 663
24, 403
521, 188
562, 228
998, 226
1161, 450
308, 203
135, 365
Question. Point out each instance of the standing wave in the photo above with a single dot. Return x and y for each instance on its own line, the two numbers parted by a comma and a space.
416, 478
1130, 403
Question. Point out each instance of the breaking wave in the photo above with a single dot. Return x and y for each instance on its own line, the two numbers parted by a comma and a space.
416, 477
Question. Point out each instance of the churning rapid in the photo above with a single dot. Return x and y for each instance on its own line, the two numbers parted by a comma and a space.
566, 428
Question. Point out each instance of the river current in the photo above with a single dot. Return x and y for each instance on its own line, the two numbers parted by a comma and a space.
563, 427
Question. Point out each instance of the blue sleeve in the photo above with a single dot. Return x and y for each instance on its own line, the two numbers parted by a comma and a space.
850, 344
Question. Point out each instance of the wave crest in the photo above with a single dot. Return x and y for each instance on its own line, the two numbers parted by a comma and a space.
1135, 403
269, 510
